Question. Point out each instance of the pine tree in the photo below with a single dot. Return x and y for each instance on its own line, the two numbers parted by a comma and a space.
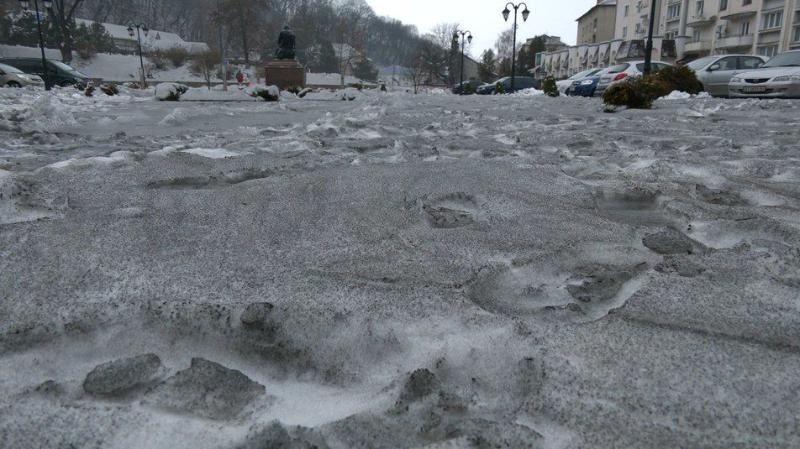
327, 59
487, 66
365, 70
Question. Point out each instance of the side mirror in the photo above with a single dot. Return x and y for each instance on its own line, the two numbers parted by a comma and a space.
713, 67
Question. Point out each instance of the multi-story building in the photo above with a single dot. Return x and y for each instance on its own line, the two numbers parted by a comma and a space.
684, 30
597, 24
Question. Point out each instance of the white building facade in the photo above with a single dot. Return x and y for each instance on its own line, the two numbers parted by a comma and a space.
683, 30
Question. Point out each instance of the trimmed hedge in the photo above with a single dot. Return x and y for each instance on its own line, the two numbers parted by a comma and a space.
549, 87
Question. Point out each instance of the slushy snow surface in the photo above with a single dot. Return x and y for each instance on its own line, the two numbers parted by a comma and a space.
398, 271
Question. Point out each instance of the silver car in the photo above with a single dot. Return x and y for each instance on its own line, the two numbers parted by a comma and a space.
715, 72
778, 78
13, 77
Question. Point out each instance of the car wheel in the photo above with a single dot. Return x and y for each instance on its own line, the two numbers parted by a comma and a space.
13, 84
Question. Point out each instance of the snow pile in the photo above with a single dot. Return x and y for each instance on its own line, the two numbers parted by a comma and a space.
170, 91
348, 94
212, 153
203, 94
113, 159
530, 92
678, 95
267, 93
47, 113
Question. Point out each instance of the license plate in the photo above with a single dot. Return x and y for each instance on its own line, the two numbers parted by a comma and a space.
754, 89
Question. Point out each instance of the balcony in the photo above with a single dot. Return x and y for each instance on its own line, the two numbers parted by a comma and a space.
735, 41
697, 47
701, 20
749, 12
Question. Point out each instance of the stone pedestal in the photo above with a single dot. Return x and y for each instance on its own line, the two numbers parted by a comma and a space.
285, 73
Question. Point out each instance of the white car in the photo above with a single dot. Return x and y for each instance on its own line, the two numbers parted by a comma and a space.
14, 77
621, 72
565, 85
715, 72
778, 78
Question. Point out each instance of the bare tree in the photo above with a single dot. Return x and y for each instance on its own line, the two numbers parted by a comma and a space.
64, 13
205, 65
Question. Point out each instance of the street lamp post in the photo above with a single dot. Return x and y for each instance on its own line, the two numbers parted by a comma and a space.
47, 5
140, 28
525, 13
648, 48
462, 34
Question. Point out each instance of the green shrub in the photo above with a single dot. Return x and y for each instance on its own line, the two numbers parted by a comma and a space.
467, 89
499, 89
639, 93
549, 87
680, 78
635, 93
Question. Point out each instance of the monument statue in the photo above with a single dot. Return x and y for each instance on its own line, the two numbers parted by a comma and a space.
285, 44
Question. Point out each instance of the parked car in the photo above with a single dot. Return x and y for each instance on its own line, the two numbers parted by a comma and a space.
623, 71
58, 73
14, 77
565, 86
473, 86
587, 86
715, 72
520, 83
778, 78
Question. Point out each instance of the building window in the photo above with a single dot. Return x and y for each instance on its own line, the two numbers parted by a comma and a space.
624, 32
744, 28
673, 11
696, 36
772, 20
746, 2
723, 5
670, 35
638, 28
768, 51
796, 37
627, 8
700, 6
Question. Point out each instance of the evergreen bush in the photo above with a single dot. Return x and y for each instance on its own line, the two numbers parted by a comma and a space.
499, 89
549, 87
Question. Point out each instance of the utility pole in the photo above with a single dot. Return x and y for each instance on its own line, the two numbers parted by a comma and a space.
648, 50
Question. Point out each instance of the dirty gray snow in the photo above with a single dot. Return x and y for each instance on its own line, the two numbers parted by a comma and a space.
398, 271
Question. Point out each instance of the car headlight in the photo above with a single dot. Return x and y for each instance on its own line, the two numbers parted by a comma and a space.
736, 80
795, 77
586, 82
24, 77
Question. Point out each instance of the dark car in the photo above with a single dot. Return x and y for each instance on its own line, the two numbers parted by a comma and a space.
58, 73
520, 83
584, 87
471, 86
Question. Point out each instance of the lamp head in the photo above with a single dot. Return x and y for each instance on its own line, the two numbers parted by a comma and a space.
525, 14
145, 30
24, 4
506, 13
130, 30
469, 38
47, 4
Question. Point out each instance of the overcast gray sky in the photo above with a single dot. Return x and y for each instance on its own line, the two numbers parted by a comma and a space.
484, 18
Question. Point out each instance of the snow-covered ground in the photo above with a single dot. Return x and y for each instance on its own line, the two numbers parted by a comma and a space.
398, 271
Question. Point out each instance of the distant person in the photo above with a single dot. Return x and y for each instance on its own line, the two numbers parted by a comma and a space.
240, 78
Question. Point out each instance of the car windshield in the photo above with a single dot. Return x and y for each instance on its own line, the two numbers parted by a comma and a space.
698, 64
9, 69
63, 66
789, 59
617, 68
583, 74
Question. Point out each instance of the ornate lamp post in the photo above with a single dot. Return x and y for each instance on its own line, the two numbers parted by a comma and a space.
648, 48
47, 5
525, 13
462, 35
140, 28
